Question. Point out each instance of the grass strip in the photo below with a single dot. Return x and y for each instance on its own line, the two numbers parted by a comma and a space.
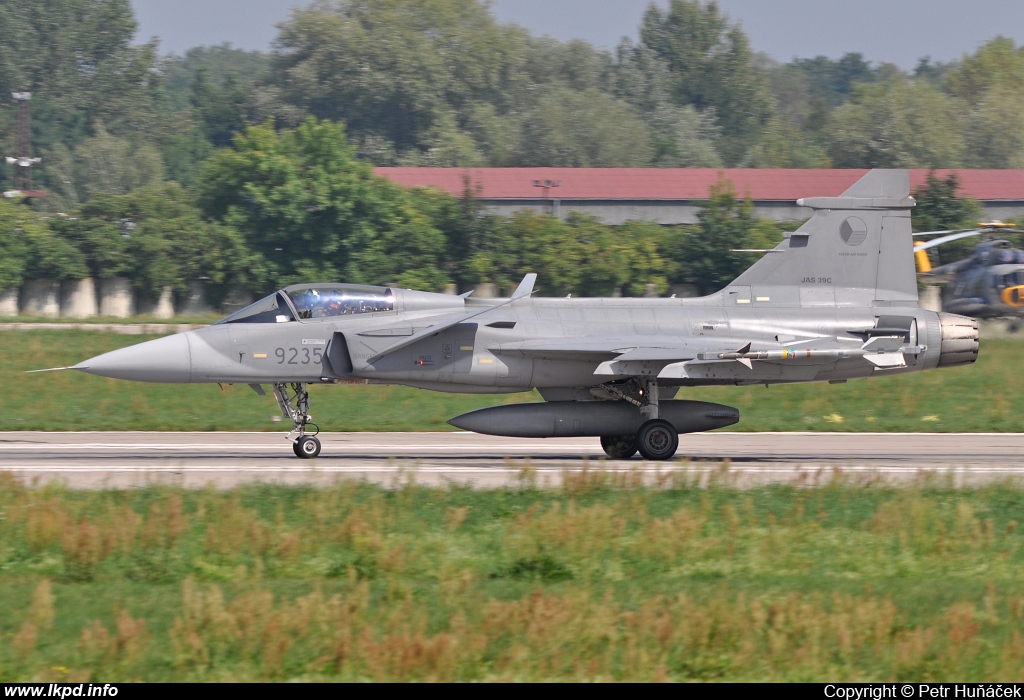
602, 579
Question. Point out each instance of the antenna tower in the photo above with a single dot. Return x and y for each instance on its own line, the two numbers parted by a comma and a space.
24, 161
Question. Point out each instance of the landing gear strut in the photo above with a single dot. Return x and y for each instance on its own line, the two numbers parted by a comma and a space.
657, 439
296, 409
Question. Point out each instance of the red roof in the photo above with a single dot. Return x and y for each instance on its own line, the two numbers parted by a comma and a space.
681, 183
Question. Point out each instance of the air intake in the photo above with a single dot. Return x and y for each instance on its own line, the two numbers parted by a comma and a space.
959, 340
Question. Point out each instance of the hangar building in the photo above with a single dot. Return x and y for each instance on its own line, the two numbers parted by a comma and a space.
673, 195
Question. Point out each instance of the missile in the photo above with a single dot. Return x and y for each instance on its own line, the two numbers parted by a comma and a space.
590, 418
881, 351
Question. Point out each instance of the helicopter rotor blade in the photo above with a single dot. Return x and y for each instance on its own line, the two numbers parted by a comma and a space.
946, 239
937, 233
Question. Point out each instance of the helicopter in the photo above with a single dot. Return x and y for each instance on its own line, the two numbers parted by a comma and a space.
989, 284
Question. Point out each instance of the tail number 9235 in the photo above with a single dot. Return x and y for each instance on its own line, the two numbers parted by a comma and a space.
299, 356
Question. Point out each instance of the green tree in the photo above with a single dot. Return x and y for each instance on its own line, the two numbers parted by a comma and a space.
115, 165
395, 68
497, 136
897, 124
531, 242
466, 228
806, 91
986, 88
157, 237
444, 145
784, 145
184, 153
574, 64
311, 211
832, 81
940, 209
712, 68
222, 110
102, 239
679, 136
588, 129
935, 73
247, 67
408, 251
14, 241
995, 130
702, 254
624, 258
78, 59
998, 62
48, 255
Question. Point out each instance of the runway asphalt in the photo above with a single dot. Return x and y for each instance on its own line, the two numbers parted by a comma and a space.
194, 460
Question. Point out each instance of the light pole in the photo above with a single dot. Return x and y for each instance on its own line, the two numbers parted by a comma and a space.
548, 185
24, 161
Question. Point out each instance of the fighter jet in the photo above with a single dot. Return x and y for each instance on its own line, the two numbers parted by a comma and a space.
836, 300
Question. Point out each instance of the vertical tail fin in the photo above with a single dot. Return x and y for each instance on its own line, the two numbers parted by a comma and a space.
856, 250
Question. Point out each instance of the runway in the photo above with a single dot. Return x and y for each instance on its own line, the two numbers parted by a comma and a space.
90, 460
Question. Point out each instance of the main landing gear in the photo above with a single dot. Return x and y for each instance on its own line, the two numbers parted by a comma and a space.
295, 407
657, 439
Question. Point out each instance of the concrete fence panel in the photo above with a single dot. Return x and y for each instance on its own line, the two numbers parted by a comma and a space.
78, 298
117, 298
930, 298
485, 290
9, 302
195, 304
40, 298
236, 299
163, 308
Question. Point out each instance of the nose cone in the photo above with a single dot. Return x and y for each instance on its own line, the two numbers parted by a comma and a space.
166, 360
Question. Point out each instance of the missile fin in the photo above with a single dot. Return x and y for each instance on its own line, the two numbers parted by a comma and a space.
890, 360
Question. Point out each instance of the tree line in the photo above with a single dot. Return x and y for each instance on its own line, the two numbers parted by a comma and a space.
255, 168
443, 83
295, 205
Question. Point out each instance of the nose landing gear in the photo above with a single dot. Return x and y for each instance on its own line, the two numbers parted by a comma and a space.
306, 447
296, 409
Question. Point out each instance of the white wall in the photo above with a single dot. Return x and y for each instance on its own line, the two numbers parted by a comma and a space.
78, 298
40, 298
117, 298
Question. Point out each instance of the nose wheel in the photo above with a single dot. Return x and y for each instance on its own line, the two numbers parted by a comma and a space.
306, 447
295, 406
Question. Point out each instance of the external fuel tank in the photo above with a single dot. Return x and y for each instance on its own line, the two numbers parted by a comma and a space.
590, 418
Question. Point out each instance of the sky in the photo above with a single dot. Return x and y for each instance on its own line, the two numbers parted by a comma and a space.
894, 31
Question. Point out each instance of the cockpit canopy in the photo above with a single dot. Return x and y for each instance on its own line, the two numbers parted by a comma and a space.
320, 300
302, 301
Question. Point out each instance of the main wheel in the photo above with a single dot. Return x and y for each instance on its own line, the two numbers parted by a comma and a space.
657, 440
307, 447
295, 448
619, 446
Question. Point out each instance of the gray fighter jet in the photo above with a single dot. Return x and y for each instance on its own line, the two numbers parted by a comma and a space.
836, 300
